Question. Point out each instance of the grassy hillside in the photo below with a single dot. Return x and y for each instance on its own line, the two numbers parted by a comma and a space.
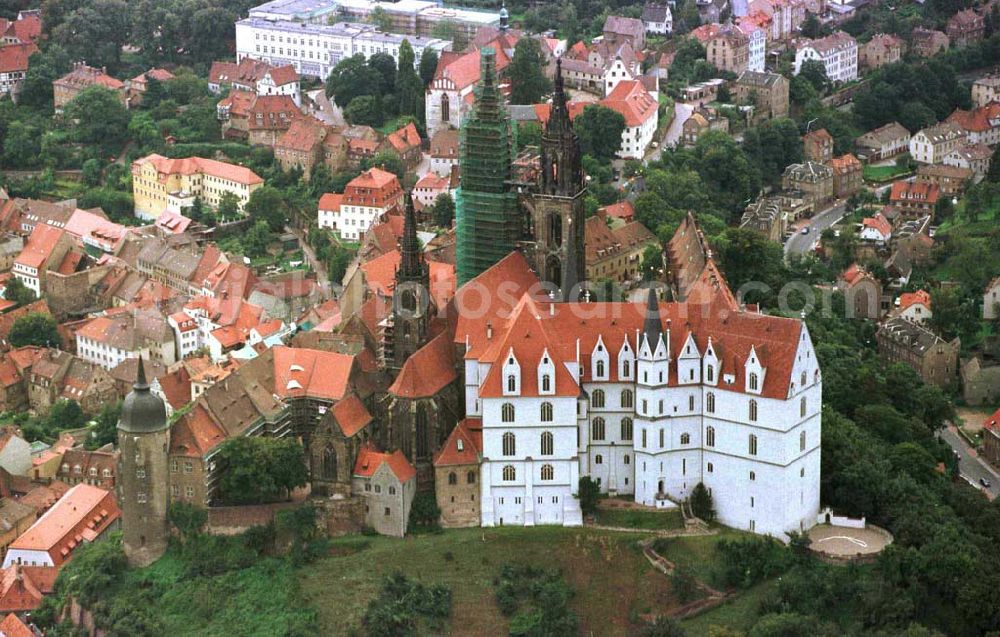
613, 581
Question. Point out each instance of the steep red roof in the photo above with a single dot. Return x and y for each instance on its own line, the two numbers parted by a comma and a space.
878, 223
40, 245
14, 57
11, 626
380, 276
405, 138
370, 459
977, 120
351, 415
921, 191
330, 201
22, 587
302, 372
85, 511
427, 371
464, 445
621, 210
993, 422
284, 75
632, 100
196, 433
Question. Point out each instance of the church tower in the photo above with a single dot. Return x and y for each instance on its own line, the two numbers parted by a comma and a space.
488, 223
412, 305
143, 479
557, 215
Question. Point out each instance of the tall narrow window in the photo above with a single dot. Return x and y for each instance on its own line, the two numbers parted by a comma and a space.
803, 379
511, 383
547, 443
691, 402
507, 412
597, 398
643, 438
802, 407
752, 445
710, 403
710, 436
626, 429
753, 411
546, 412
600, 369
710, 374
753, 381
628, 399
452, 478
509, 444
509, 473
802, 441
597, 429
661, 438
546, 383
548, 473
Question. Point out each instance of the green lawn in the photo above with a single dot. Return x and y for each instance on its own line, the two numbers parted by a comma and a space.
640, 519
884, 173
611, 577
738, 613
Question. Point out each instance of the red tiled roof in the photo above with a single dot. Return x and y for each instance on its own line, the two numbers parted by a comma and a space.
405, 138
976, 120
380, 276
284, 75
40, 245
427, 371
879, 223
921, 191
370, 459
463, 70
14, 57
913, 298
993, 422
853, 274
374, 187
196, 433
632, 100
22, 588
11, 626
194, 165
85, 510
330, 201
351, 415
464, 445
844, 163
300, 372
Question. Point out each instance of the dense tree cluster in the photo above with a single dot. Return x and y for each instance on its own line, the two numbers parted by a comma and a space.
254, 470
372, 91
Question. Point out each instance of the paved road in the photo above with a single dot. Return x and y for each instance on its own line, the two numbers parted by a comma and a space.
327, 111
673, 135
800, 243
970, 465
318, 267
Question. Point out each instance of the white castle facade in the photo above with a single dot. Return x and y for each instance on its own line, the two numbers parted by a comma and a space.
649, 404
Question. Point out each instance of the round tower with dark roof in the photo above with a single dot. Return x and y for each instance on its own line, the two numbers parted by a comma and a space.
143, 478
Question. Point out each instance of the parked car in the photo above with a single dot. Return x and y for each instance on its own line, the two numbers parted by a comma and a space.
984, 482
805, 230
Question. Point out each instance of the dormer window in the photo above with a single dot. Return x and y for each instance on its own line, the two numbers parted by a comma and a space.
600, 369
753, 382
511, 384
546, 383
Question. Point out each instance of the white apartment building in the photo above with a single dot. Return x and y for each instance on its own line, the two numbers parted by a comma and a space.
757, 46
838, 52
366, 199
640, 109
648, 401
932, 144
314, 49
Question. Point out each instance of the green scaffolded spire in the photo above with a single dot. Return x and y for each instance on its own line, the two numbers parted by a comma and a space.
487, 219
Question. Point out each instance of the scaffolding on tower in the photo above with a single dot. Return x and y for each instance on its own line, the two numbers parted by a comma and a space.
488, 224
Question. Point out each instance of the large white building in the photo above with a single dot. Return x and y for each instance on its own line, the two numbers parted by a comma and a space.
648, 400
838, 52
314, 49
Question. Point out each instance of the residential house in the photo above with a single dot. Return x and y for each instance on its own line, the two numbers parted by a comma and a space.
456, 475
366, 199
583, 75
767, 92
913, 306
980, 376
640, 109
876, 229
813, 179
766, 216
950, 179
623, 210
257, 77
934, 359
847, 175
930, 145
269, 117
309, 142
757, 44
727, 48
22, 588
862, 293
991, 300
15, 519
48, 249
106, 341
619, 30
657, 18
405, 144
96, 468
387, 483
914, 199
67, 87
985, 90
838, 52
160, 184
427, 189
700, 122
14, 67
444, 149
328, 211
285, 296
817, 146
965, 27
234, 112
881, 50
975, 157
981, 125
136, 88
615, 254
84, 515
927, 43
883, 142
449, 94
56, 375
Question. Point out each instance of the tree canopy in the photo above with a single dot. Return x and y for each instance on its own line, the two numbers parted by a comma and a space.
257, 469
526, 73
35, 328
600, 131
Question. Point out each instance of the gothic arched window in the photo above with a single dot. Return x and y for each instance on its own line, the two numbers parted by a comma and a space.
509, 444
597, 398
548, 443
507, 412
546, 412
330, 463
